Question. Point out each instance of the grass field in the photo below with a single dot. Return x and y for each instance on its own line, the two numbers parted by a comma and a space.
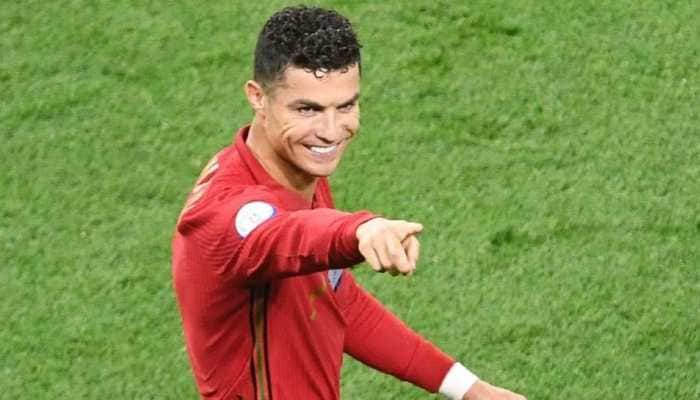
551, 149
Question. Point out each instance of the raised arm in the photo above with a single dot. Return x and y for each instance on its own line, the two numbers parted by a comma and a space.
297, 243
250, 238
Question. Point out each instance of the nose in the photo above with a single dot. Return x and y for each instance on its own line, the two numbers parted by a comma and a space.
332, 129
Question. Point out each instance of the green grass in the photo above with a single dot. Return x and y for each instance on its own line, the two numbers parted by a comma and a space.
551, 150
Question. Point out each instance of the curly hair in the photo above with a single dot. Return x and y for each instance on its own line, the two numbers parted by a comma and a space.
312, 38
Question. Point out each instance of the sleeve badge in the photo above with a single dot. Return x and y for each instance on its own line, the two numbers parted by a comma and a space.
251, 215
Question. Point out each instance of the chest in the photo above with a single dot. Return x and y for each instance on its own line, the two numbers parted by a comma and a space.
307, 299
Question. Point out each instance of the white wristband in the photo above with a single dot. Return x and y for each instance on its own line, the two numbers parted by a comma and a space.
457, 382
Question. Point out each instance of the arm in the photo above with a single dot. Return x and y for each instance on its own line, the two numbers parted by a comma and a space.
250, 238
379, 339
297, 243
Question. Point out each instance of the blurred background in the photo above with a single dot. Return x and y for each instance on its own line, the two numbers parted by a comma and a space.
551, 149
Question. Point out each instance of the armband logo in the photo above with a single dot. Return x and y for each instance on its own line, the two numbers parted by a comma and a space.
251, 215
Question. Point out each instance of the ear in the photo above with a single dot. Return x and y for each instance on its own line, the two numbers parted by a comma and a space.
255, 94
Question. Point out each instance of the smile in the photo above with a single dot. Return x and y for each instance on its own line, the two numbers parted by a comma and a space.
322, 149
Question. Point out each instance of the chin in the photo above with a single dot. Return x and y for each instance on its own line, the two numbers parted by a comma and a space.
322, 171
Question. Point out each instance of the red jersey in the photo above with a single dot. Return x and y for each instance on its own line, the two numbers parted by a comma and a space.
267, 301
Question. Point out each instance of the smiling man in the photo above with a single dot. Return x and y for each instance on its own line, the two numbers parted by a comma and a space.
261, 258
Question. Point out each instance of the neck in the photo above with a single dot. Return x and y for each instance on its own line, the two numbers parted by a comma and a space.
278, 168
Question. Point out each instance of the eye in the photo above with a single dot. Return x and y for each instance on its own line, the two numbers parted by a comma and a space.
347, 107
306, 110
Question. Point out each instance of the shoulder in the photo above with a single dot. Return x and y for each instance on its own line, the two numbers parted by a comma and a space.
246, 206
224, 187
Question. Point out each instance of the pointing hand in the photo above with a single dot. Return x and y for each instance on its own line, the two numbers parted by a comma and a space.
390, 245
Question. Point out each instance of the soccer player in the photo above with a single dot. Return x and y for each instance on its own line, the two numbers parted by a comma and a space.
261, 259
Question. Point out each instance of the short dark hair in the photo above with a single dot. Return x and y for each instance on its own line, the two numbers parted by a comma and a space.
312, 38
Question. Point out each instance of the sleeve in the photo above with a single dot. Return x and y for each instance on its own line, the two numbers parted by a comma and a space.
251, 239
380, 340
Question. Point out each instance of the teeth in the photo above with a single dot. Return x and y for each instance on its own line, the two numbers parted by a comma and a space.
322, 150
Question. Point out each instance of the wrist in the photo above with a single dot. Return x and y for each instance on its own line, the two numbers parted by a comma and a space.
347, 240
457, 382
365, 225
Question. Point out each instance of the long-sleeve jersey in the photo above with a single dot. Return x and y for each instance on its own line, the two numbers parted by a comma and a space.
267, 300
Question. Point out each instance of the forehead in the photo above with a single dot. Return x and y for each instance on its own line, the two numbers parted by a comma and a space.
324, 88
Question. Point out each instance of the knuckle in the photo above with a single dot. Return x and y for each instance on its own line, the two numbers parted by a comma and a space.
379, 233
394, 254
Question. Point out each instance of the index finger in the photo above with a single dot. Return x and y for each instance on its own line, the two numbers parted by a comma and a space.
403, 229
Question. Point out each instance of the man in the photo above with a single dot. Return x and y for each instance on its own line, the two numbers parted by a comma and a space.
261, 257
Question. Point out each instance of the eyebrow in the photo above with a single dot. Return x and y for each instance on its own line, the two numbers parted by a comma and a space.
352, 100
315, 105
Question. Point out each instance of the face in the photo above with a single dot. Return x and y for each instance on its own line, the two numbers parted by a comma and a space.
309, 120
